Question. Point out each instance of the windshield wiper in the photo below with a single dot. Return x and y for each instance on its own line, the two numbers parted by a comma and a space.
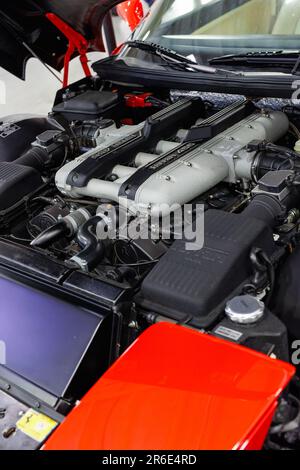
173, 58
289, 60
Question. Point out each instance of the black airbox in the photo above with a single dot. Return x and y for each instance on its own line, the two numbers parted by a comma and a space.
16, 182
192, 283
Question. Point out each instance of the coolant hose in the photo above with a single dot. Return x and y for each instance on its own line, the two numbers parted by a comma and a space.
92, 249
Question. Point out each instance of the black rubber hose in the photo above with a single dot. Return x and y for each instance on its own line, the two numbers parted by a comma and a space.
266, 208
51, 235
92, 249
36, 158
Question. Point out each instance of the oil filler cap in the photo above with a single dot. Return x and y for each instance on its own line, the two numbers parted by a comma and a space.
245, 309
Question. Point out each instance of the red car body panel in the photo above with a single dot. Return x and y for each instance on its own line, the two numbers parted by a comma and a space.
132, 12
176, 388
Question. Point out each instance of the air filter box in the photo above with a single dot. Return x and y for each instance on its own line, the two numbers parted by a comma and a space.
16, 182
193, 283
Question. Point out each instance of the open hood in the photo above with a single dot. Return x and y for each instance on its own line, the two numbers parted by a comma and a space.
25, 31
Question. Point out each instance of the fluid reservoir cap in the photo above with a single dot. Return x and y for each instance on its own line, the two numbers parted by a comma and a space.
245, 309
297, 146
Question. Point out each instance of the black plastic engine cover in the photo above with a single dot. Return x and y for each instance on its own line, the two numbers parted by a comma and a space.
91, 105
16, 182
18, 132
286, 299
193, 283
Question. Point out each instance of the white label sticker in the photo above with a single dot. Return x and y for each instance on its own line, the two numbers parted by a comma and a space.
228, 333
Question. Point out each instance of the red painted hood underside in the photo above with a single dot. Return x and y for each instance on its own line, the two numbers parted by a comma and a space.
176, 388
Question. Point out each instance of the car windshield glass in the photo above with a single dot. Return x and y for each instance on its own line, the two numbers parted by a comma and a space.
205, 29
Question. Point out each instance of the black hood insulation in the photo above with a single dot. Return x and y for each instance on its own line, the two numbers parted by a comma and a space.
25, 31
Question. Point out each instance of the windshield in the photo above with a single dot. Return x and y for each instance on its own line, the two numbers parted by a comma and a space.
204, 29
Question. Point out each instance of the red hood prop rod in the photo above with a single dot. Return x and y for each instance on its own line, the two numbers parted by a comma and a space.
76, 43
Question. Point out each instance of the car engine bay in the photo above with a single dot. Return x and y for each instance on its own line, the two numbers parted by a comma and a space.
85, 194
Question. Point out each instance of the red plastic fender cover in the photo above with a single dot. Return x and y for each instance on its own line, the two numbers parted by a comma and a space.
176, 388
